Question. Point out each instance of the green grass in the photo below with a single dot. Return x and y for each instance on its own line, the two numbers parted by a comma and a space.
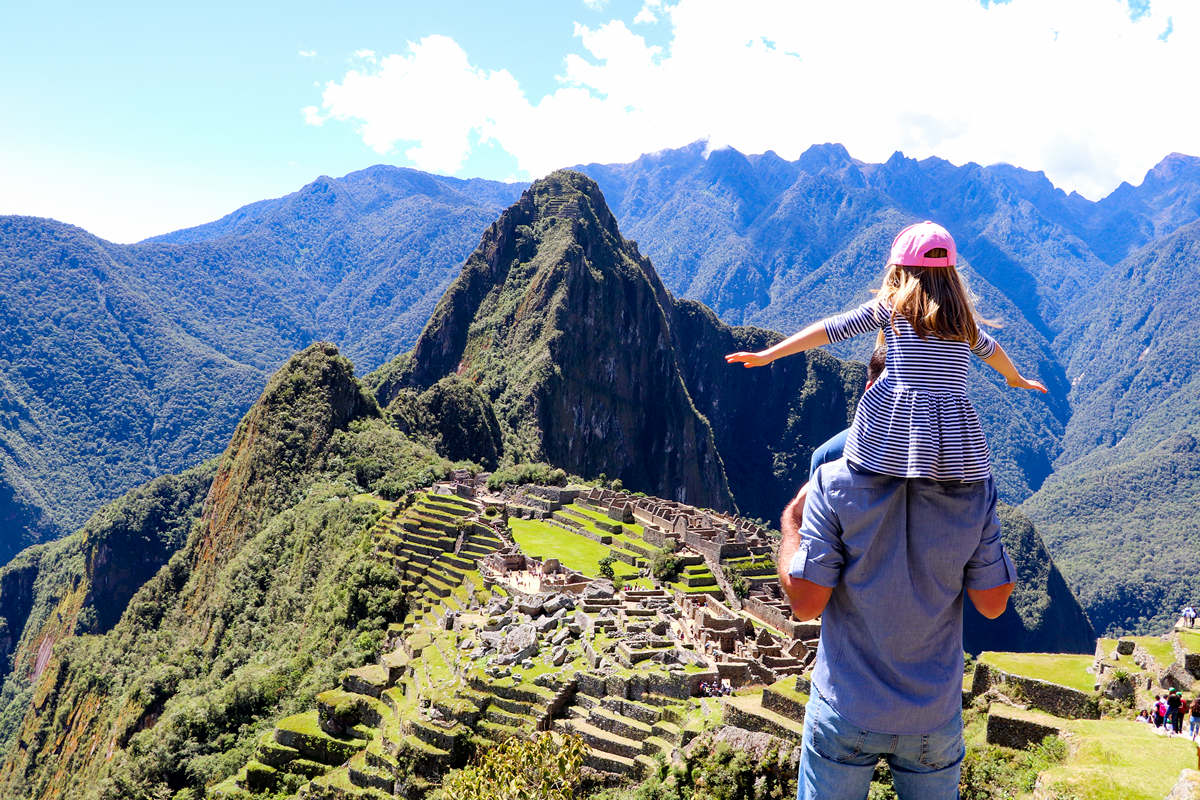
1114, 760
1066, 670
637, 529
1190, 638
1159, 649
573, 550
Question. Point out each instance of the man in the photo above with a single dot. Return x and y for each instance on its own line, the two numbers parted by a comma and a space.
889, 572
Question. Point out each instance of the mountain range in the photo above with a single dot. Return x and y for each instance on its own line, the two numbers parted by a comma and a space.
149, 652
156, 348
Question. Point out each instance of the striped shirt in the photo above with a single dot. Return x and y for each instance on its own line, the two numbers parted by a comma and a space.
916, 420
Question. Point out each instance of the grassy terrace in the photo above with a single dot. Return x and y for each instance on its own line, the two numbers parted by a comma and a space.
578, 508
1066, 670
1190, 639
1111, 759
1159, 649
573, 550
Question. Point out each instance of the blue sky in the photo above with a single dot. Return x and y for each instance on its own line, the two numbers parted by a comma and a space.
132, 120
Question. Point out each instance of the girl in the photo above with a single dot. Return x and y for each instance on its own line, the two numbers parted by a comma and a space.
916, 420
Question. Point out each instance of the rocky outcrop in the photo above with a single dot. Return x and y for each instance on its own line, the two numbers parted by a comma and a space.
1187, 787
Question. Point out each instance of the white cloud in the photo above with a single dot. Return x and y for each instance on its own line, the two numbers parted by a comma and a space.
595, 5
313, 116
307, 53
1074, 87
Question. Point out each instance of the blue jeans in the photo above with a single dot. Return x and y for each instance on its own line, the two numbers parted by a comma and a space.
838, 758
1193, 726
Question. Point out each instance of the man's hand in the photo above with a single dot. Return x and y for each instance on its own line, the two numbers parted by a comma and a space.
749, 359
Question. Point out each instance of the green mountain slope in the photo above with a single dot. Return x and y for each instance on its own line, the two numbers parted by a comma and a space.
267, 599
1118, 511
122, 362
100, 388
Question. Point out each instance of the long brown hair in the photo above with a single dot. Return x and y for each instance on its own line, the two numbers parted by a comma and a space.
934, 300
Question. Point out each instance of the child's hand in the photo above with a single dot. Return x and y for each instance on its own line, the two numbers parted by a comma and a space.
1021, 382
748, 359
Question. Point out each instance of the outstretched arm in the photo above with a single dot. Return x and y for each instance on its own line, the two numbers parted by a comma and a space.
1000, 362
867, 317
812, 336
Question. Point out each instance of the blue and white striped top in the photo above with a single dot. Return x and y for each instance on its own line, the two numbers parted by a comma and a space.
916, 420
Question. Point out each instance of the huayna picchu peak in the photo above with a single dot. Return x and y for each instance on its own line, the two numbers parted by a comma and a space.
590, 364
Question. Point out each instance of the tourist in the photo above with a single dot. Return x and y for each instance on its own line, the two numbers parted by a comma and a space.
1189, 616
1175, 711
1160, 711
1143, 716
1194, 720
922, 529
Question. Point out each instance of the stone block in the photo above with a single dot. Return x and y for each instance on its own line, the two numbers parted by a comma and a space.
1016, 733
560, 657
531, 606
1191, 663
1176, 677
1187, 787
1125, 647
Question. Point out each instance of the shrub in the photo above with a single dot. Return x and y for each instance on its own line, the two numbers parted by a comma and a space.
537, 473
605, 567
665, 565
546, 767
738, 581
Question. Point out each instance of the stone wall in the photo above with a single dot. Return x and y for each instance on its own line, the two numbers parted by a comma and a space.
1061, 701
775, 617
790, 707
752, 722
1016, 733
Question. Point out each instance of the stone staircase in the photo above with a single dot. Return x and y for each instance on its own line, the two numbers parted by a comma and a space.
623, 736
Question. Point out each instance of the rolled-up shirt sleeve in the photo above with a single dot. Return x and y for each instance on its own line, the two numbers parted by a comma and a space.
821, 554
864, 319
984, 345
990, 566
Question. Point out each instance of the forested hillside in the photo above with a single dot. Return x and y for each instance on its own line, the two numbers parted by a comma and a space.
125, 362
122, 362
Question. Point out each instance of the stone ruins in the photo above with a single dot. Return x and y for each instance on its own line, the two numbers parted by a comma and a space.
502, 639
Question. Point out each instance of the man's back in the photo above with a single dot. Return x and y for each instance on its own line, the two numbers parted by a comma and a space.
890, 657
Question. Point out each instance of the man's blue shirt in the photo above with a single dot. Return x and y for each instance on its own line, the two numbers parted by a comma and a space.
898, 553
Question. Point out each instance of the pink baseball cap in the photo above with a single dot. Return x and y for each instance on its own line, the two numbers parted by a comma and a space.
912, 243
